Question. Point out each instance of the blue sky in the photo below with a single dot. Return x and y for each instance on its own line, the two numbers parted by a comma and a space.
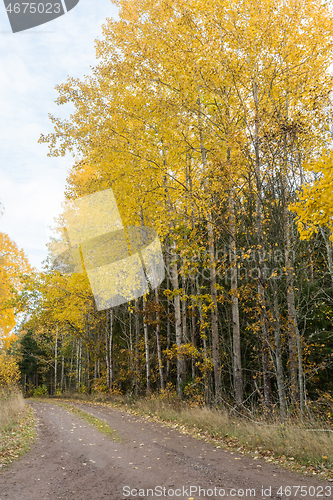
32, 63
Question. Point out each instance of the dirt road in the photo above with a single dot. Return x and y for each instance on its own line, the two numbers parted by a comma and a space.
72, 460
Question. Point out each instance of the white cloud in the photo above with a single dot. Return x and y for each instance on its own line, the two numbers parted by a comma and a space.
32, 64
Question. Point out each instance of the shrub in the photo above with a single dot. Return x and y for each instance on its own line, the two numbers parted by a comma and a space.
9, 371
40, 391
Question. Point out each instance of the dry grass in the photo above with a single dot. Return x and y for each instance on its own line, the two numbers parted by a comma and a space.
12, 405
294, 439
296, 445
17, 428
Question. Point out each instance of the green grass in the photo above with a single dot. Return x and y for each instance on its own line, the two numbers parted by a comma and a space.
100, 425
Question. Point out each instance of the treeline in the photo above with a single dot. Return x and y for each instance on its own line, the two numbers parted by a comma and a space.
209, 121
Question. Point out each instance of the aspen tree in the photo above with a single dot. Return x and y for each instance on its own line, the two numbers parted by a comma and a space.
13, 266
138, 118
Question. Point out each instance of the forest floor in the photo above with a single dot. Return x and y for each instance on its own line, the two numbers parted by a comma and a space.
71, 459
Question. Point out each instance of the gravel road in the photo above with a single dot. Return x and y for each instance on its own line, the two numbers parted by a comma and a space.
72, 460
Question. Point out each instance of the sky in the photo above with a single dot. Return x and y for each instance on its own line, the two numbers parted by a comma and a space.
32, 63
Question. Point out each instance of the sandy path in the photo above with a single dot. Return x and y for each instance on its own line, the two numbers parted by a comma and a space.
72, 460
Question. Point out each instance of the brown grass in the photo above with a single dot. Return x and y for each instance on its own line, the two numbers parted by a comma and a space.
305, 446
12, 406
17, 426
294, 440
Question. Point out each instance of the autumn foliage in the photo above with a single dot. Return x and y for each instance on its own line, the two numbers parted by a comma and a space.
211, 122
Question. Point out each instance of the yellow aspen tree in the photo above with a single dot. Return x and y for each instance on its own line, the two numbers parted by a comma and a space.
180, 79
13, 266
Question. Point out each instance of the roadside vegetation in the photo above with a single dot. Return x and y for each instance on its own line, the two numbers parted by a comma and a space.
304, 446
17, 429
12, 406
17, 426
